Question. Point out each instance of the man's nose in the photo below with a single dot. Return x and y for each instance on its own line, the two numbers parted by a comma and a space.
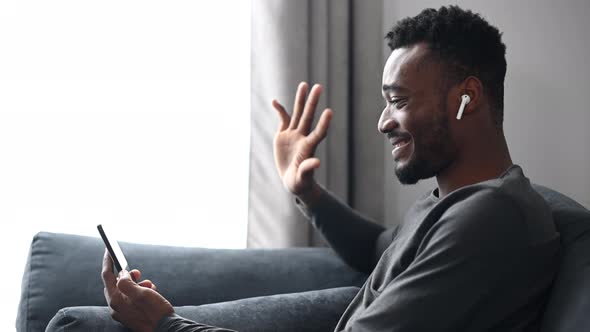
386, 123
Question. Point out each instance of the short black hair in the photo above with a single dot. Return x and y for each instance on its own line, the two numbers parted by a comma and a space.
465, 43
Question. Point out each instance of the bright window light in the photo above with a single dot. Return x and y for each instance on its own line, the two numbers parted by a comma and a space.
134, 114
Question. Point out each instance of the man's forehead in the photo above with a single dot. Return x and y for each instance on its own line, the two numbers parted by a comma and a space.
404, 62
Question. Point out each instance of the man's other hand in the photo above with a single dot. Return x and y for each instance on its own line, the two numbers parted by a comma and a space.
138, 306
295, 143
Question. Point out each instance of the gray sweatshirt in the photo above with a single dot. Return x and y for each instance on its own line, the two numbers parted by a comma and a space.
480, 259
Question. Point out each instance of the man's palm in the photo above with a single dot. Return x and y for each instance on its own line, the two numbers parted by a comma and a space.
295, 143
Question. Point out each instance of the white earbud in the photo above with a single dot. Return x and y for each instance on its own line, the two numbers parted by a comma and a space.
465, 99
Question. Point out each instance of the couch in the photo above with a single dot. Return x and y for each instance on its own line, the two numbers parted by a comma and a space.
295, 289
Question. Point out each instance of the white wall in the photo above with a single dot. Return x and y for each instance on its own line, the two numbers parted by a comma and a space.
133, 114
547, 104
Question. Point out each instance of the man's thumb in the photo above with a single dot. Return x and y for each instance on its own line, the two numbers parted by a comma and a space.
307, 167
127, 286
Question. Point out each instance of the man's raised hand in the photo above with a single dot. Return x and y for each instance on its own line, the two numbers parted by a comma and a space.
295, 143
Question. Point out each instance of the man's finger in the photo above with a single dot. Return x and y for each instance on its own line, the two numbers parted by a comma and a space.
284, 124
107, 263
321, 129
147, 284
107, 296
309, 110
135, 274
108, 278
299, 104
127, 286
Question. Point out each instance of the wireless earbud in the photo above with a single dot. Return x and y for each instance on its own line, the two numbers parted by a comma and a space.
465, 99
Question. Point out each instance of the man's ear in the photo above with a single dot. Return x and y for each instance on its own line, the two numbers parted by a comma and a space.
472, 87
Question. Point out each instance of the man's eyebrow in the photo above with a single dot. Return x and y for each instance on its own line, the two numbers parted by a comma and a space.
395, 87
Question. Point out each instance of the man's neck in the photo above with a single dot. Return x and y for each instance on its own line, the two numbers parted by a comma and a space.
485, 162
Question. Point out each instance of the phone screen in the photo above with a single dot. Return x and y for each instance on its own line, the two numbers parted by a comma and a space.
114, 250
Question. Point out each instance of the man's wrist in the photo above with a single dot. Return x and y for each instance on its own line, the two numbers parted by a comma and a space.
310, 197
163, 323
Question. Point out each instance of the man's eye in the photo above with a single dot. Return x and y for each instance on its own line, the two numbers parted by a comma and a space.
397, 102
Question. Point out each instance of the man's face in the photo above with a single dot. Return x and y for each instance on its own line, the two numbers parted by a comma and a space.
415, 119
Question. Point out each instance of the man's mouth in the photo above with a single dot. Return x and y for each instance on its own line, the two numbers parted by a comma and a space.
399, 146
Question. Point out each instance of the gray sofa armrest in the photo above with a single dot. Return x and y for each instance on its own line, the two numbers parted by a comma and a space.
64, 271
313, 311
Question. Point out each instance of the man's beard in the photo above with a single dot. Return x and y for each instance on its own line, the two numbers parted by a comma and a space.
414, 171
430, 158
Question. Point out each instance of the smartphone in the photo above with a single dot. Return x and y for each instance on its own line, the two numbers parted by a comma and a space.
114, 250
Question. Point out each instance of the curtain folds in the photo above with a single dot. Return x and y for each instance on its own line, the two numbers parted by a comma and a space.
338, 43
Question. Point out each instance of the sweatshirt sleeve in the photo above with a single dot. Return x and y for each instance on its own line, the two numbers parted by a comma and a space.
176, 323
351, 235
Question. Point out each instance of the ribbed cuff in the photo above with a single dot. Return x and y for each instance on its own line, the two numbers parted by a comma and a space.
303, 208
166, 322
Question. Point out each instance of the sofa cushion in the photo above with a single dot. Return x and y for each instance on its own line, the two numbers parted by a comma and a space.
314, 311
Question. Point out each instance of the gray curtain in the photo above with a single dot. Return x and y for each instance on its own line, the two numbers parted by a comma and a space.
338, 43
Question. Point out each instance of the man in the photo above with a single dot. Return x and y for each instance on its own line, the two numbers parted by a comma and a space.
478, 253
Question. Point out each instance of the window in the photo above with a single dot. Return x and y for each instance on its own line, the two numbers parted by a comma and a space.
131, 114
